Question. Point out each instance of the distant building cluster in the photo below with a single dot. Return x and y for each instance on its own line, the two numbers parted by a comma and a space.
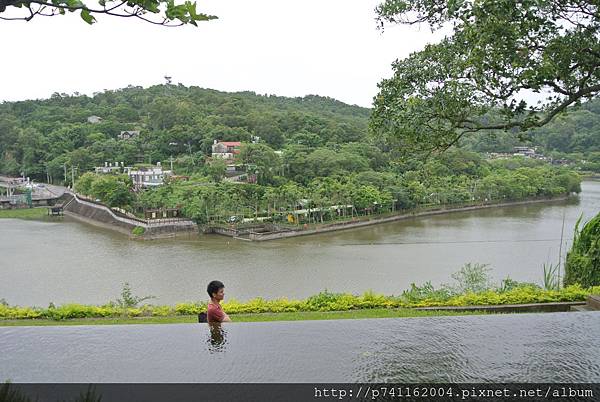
527, 152
146, 176
518, 151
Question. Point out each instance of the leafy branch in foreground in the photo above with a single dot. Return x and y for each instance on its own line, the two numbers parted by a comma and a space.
475, 79
159, 12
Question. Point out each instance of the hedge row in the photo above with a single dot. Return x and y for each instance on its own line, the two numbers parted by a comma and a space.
324, 301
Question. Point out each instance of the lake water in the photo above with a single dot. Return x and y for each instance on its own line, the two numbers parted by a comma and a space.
67, 261
551, 347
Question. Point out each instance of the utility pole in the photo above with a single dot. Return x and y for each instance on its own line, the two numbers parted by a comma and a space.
65, 167
72, 178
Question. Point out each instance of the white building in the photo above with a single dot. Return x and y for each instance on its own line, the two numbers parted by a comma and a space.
151, 176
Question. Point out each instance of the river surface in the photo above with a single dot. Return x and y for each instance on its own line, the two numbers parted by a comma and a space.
550, 347
68, 261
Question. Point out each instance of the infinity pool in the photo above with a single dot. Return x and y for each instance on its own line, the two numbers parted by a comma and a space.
551, 347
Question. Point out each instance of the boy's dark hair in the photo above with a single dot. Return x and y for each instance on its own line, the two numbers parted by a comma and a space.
213, 287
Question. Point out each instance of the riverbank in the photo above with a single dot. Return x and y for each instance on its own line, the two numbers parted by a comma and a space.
370, 220
24, 213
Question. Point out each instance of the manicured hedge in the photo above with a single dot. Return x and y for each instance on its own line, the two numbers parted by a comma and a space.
324, 301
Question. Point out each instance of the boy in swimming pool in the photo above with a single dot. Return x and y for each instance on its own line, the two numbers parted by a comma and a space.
214, 311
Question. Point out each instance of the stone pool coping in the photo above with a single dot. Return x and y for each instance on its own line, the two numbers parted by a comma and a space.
510, 308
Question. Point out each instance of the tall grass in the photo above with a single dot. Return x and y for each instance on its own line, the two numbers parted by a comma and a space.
551, 276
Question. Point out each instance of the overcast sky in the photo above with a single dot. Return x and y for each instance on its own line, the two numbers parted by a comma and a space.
325, 47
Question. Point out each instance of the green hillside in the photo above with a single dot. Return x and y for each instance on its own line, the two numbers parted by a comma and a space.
40, 135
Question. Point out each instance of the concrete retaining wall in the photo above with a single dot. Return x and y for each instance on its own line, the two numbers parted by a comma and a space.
101, 215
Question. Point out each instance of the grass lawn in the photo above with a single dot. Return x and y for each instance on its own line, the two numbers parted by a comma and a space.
257, 317
24, 213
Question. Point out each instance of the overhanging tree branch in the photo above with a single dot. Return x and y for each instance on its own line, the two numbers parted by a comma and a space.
166, 11
474, 80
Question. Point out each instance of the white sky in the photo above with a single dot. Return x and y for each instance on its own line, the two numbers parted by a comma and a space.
325, 47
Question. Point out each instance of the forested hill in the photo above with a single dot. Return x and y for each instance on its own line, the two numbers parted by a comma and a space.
320, 135
172, 120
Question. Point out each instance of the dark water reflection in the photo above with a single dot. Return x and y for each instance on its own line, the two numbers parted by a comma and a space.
556, 347
217, 339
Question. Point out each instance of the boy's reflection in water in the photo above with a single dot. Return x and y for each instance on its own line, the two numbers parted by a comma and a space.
218, 338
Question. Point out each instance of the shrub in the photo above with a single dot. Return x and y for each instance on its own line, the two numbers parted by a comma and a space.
138, 231
472, 278
583, 260
189, 308
128, 299
424, 292
510, 284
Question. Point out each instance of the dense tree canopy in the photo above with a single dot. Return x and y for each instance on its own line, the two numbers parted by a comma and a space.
263, 161
475, 78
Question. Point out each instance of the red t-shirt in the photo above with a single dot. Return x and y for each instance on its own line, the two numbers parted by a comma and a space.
214, 312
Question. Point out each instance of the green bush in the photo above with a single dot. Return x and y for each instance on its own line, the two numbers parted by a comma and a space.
583, 260
518, 295
138, 231
472, 278
426, 291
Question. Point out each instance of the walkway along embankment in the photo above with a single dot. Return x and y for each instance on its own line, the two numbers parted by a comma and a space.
101, 215
277, 232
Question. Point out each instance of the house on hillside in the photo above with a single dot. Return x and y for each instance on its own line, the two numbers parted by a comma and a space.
225, 149
148, 176
125, 135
